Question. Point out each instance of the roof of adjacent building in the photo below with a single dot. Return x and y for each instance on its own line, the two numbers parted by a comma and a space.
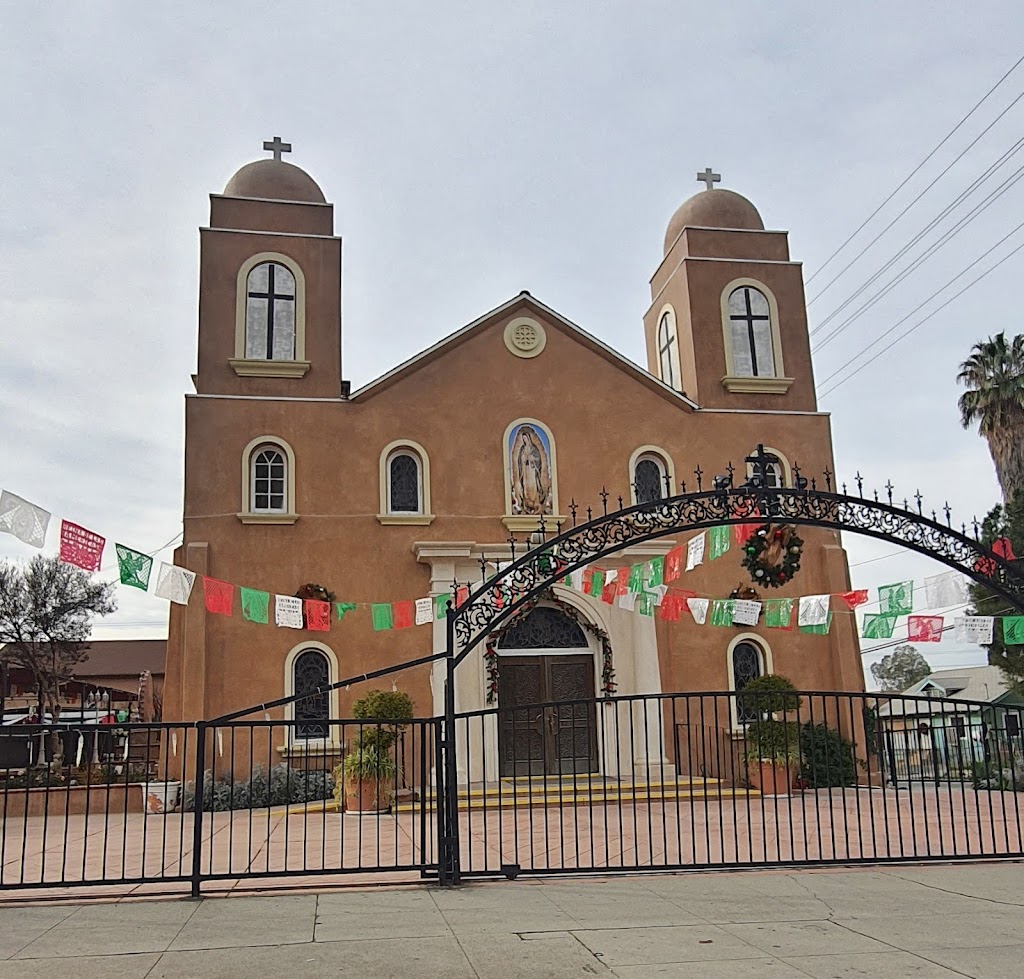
123, 657
980, 684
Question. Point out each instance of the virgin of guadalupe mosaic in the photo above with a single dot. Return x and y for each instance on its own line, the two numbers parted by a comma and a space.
529, 468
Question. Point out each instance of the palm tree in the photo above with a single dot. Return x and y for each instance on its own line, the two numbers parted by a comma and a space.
994, 378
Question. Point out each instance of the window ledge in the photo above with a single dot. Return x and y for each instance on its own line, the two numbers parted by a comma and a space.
756, 385
520, 523
300, 749
269, 368
268, 518
405, 519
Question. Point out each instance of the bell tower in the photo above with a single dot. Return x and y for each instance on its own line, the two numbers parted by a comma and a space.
727, 323
270, 285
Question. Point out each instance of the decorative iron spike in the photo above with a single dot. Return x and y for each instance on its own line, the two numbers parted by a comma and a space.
620, 502
699, 473
974, 522
604, 500
814, 484
483, 568
888, 489
905, 504
683, 487
844, 490
590, 515
572, 509
730, 470
668, 485
860, 483
947, 510
543, 529
935, 519
919, 498
876, 496
963, 529
828, 479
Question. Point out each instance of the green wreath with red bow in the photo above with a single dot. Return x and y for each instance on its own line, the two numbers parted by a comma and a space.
772, 554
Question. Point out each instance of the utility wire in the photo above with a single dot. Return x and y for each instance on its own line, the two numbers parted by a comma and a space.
921, 305
945, 139
920, 322
934, 247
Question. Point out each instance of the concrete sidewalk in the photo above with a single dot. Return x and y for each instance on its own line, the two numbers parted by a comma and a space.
919, 922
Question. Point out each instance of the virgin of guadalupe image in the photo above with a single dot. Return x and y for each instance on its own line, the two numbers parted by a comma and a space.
530, 471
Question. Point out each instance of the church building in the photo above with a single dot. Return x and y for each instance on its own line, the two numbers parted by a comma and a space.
292, 477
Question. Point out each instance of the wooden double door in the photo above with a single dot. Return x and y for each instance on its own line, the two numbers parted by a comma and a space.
559, 739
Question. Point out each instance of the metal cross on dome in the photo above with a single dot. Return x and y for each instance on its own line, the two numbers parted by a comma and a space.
710, 178
277, 147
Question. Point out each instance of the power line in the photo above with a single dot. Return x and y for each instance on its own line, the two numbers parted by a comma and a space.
934, 247
920, 322
912, 173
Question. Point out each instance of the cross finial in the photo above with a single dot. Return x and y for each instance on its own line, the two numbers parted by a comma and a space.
276, 147
710, 178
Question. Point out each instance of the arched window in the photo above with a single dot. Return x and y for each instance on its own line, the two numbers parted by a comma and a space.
668, 350
311, 672
404, 483
269, 481
270, 299
750, 330
649, 479
747, 664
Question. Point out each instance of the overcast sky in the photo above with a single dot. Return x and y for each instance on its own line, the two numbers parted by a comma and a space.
473, 150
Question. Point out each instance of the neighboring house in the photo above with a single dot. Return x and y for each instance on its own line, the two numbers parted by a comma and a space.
110, 675
946, 723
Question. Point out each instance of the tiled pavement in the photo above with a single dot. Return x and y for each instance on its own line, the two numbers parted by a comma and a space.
938, 921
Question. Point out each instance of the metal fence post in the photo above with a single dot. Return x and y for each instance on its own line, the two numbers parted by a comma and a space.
197, 808
451, 789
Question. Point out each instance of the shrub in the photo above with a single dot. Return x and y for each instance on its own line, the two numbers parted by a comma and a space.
828, 759
985, 775
282, 786
769, 694
772, 741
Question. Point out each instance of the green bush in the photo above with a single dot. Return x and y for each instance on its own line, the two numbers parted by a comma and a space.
281, 787
827, 758
769, 694
386, 713
985, 775
773, 741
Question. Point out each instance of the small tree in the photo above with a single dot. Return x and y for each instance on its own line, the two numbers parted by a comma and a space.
902, 668
46, 614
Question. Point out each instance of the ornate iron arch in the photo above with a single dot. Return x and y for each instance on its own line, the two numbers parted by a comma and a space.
549, 559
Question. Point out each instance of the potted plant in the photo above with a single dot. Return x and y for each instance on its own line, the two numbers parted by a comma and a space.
370, 772
772, 744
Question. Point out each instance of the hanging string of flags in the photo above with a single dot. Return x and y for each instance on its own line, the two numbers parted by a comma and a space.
641, 587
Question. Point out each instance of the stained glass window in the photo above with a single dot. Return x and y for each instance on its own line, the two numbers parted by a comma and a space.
310, 672
750, 324
404, 484
746, 666
268, 481
649, 481
270, 313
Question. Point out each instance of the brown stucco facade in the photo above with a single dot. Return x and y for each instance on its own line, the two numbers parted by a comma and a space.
454, 402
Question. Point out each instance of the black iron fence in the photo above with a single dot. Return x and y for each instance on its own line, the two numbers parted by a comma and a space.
632, 783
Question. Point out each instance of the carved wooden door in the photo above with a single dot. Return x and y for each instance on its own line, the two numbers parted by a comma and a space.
555, 740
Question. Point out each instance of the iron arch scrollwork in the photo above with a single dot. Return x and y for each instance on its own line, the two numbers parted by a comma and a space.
494, 601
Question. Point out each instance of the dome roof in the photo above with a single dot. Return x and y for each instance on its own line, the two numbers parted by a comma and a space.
274, 180
713, 209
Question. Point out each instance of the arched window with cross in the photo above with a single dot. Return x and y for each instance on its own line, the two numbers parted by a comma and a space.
668, 350
270, 312
751, 332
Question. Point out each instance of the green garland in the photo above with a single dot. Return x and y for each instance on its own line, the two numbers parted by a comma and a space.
773, 575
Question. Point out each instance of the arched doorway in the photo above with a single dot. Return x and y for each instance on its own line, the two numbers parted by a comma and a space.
545, 658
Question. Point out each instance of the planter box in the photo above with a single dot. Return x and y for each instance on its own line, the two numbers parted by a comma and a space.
57, 802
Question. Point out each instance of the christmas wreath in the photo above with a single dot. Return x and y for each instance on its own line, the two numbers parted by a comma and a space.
772, 554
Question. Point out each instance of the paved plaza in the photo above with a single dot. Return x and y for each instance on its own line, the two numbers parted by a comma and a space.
931, 922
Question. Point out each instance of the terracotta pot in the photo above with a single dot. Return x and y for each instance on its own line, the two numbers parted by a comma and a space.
770, 778
366, 795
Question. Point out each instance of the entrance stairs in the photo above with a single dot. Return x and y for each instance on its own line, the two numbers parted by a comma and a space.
581, 790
